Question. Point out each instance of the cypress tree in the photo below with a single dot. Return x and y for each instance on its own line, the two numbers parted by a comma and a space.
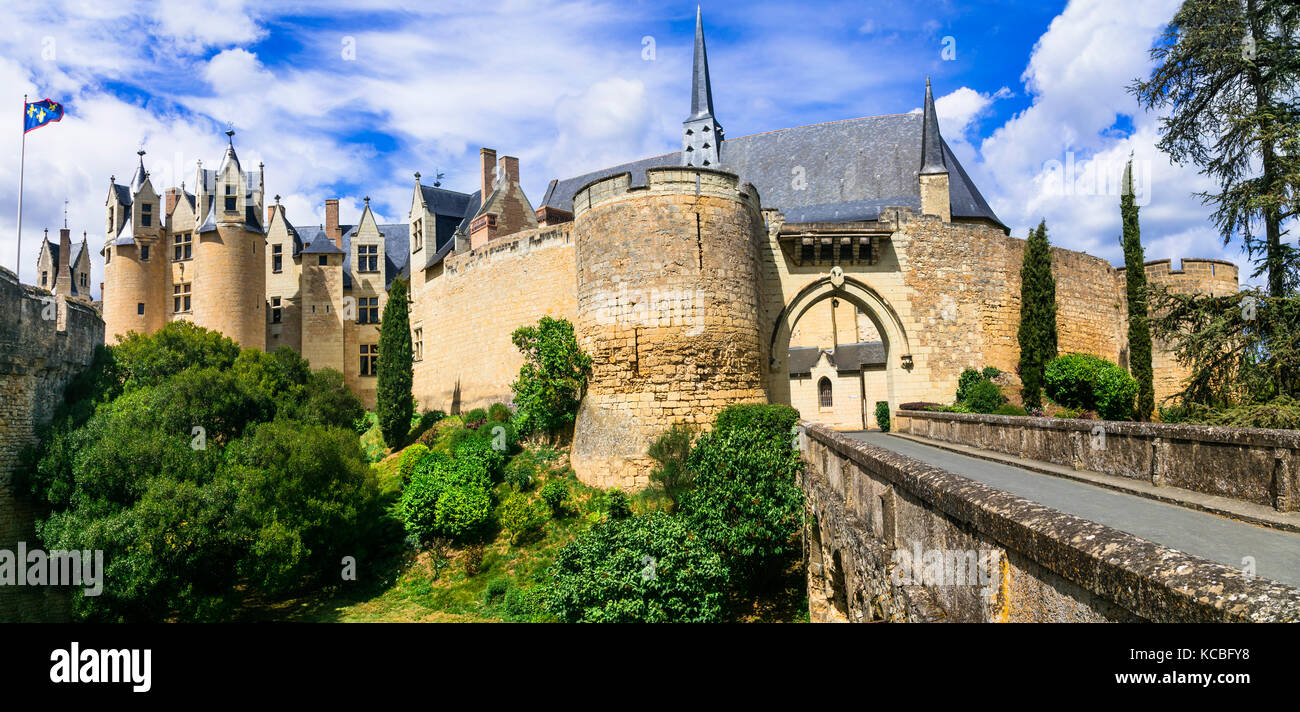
394, 406
1135, 277
1037, 333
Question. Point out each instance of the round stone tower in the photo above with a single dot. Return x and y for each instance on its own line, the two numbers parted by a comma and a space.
669, 309
230, 260
132, 300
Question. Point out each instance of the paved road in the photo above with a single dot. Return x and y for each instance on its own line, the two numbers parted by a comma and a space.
1277, 553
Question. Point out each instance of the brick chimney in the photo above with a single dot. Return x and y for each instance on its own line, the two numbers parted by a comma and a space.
510, 168
65, 250
332, 230
487, 173
173, 197
270, 213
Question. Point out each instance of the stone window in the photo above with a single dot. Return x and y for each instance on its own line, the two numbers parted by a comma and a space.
230, 204
368, 258
368, 310
275, 310
277, 258
324, 260
181, 297
182, 246
139, 308
85, 279
144, 252
418, 235
369, 359
417, 343
146, 214
824, 399
45, 278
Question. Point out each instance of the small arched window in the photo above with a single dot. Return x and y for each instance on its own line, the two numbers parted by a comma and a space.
824, 392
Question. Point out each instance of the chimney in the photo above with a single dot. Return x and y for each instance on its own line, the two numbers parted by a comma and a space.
65, 250
488, 163
173, 197
270, 213
332, 230
510, 168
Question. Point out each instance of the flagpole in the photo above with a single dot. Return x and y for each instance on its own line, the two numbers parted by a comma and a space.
22, 165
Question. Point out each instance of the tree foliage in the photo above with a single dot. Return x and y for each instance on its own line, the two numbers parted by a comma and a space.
1135, 281
1037, 332
393, 403
552, 378
1227, 71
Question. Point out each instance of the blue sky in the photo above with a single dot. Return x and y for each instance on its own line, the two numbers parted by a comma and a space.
350, 99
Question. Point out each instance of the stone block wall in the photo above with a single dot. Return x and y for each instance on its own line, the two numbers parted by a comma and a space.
669, 309
1249, 464
44, 342
467, 306
870, 509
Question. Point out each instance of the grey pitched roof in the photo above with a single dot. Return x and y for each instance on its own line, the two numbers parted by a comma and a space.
852, 357
441, 201
802, 359
852, 169
320, 244
123, 194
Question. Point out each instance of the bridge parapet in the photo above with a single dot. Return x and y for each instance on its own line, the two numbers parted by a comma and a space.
891, 538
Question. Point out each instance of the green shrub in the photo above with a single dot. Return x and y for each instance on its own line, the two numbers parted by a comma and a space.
555, 494
411, 457
393, 402
670, 453
990, 372
617, 503
552, 378
525, 603
520, 517
495, 590
649, 568
1281, 412
478, 415
983, 396
1009, 409
968, 378
422, 424
882, 415
778, 420
463, 509
521, 472
1086, 382
1070, 413
480, 449
499, 413
745, 502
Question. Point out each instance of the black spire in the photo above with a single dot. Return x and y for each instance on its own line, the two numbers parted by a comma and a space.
701, 133
931, 143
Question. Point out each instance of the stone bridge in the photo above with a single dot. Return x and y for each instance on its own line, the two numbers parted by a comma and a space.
891, 538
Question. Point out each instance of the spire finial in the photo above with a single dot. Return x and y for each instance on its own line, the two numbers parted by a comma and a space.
277, 199
367, 201
230, 132
932, 160
701, 89
65, 213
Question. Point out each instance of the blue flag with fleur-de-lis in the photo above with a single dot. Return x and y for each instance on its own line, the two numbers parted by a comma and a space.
40, 113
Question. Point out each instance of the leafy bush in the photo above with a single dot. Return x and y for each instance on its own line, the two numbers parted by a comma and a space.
446, 496
481, 449
463, 510
882, 415
649, 568
499, 413
478, 415
411, 457
422, 424
520, 517
670, 453
555, 494
617, 503
990, 372
521, 472
968, 378
983, 396
471, 559
1009, 409
552, 379
525, 603
777, 420
745, 502
1281, 412
1086, 382
495, 590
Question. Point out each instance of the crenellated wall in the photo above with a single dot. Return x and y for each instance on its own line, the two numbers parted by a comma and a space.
871, 511
44, 342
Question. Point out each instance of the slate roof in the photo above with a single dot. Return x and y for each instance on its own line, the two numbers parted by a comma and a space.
320, 244
852, 168
453, 213
397, 251
802, 359
123, 194
852, 357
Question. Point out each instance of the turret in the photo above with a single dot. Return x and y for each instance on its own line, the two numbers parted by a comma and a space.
701, 132
933, 175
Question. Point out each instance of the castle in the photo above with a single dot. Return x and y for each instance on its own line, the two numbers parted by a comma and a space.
830, 267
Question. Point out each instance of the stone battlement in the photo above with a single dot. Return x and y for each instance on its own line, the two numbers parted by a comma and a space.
664, 181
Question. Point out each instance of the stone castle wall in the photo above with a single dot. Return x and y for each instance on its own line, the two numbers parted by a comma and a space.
669, 309
467, 306
44, 342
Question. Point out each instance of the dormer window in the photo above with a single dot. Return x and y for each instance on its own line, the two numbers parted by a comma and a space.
230, 204
146, 215
419, 235
45, 278
368, 258
277, 258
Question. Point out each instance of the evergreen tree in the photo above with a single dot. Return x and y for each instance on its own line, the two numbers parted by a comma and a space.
1037, 334
394, 406
1227, 71
1135, 276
